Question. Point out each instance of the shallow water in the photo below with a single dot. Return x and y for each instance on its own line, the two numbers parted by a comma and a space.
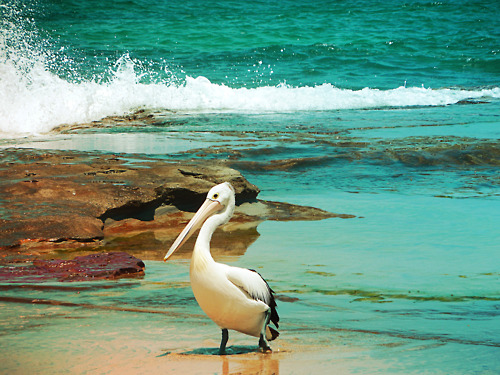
411, 283
387, 286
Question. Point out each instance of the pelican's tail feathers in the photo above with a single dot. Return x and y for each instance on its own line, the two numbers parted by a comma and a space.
271, 333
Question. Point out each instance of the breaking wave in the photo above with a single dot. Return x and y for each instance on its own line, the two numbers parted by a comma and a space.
36, 100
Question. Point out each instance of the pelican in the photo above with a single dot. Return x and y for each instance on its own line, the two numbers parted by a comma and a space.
234, 298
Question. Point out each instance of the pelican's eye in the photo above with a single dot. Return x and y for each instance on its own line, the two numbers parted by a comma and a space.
216, 195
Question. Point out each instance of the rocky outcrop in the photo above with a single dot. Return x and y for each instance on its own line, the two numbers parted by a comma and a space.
67, 196
70, 200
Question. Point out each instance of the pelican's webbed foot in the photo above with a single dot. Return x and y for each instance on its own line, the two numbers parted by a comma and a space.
263, 345
225, 337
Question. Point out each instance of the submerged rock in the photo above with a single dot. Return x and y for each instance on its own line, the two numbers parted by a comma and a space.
82, 268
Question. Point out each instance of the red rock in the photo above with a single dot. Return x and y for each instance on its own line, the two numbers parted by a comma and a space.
83, 268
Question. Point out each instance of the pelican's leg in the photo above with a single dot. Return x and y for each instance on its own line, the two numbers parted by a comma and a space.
263, 344
225, 337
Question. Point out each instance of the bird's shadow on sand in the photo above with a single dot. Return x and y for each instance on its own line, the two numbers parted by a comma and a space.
232, 350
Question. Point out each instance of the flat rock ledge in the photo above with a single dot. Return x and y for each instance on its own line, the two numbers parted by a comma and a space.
62, 200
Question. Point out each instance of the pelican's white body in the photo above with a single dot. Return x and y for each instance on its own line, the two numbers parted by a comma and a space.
228, 305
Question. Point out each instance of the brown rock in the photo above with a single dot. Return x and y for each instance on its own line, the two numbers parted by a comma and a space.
60, 196
96, 202
52, 228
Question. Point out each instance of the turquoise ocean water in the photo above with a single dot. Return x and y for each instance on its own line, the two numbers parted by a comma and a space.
387, 110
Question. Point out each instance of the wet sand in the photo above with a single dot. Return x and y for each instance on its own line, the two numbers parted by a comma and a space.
137, 356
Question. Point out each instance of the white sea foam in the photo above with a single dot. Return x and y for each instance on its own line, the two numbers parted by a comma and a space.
33, 100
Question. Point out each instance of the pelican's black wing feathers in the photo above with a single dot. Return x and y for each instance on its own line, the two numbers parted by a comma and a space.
253, 284
272, 302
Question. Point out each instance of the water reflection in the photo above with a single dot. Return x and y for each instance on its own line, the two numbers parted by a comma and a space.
152, 245
262, 364
239, 359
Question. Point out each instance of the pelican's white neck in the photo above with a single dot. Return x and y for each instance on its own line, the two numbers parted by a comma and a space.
201, 254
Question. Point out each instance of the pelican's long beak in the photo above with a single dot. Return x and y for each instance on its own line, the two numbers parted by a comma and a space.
205, 211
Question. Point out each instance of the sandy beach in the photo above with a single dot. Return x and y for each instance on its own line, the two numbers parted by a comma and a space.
146, 348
